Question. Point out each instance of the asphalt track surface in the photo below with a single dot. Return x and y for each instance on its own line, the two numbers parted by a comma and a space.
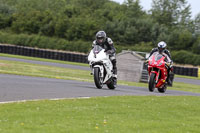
17, 88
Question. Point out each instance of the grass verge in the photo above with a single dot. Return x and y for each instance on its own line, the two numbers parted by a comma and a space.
28, 69
118, 114
189, 77
42, 59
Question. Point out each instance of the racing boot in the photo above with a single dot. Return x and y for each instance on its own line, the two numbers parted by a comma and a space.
115, 72
114, 68
169, 82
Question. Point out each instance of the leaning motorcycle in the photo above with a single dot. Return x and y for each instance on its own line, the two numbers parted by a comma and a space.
101, 68
157, 69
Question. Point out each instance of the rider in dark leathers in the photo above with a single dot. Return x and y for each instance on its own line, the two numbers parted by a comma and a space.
107, 44
162, 49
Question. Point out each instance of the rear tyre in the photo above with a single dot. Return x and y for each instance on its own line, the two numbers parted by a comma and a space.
163, 89
152, 82
97, 78
112, 84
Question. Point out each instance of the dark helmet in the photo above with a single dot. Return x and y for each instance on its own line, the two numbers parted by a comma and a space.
101, 37
161, 46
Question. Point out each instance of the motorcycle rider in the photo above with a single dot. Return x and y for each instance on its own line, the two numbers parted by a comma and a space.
162, 49
107, 43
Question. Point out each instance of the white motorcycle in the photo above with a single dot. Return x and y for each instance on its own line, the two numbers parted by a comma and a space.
101, 68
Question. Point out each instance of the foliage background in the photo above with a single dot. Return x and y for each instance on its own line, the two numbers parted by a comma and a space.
72, 25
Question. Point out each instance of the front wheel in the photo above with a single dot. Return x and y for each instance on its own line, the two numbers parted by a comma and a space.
152, 82
98, 80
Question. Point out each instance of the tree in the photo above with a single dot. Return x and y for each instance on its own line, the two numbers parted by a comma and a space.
196, 46
171, 12
181, 39
134, 9
197, 24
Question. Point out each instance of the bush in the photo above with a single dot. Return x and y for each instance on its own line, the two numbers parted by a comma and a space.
185, 57
44, 42
196, 46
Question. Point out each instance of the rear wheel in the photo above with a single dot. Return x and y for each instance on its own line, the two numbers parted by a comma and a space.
152, 82
98, 80
163, 89
112, 84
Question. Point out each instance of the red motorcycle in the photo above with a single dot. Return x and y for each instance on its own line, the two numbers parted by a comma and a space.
157, 69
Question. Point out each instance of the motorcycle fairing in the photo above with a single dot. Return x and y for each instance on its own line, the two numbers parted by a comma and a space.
98, 58
157, 66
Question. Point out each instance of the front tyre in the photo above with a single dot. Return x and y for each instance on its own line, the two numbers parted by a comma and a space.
152, 82
98, 80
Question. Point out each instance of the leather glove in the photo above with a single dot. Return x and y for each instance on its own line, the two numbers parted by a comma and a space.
170, 65
167, 64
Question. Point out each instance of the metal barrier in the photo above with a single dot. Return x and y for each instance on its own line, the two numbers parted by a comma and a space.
43, 53
186, 71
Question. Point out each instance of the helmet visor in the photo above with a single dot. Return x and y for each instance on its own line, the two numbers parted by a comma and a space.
100, 39
161, 49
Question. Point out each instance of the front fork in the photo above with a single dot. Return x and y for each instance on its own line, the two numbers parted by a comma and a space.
100, 68
157, 75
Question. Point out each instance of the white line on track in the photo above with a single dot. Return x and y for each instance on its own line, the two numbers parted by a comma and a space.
53, 99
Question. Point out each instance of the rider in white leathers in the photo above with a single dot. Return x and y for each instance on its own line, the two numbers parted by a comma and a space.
107, 44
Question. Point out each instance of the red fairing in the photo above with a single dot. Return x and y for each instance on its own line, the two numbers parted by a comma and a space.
156, 65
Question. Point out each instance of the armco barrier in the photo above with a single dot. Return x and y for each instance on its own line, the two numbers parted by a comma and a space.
43, 53
185, 71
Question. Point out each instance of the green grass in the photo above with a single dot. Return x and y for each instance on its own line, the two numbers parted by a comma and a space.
185, 87
42, 59
118, 114
189, 77
28, 69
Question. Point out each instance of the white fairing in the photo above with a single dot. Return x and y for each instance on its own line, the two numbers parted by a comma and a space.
98, 58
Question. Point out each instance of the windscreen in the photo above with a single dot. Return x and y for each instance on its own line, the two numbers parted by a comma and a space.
156, 55
97, 49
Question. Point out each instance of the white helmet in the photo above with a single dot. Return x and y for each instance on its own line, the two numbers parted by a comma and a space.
161, 46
